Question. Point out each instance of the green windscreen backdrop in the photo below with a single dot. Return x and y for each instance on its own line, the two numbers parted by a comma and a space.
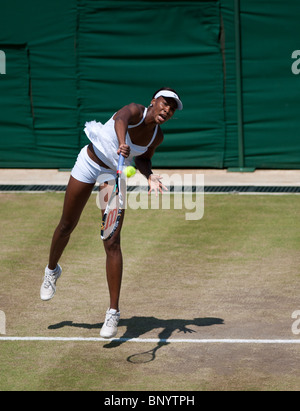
271, 91
72, 61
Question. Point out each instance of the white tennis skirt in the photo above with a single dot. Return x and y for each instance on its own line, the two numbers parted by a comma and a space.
87, 171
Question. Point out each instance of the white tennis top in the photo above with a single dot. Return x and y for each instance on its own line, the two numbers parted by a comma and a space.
105, 140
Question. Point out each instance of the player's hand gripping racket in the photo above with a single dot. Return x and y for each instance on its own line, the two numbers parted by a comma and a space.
115, 206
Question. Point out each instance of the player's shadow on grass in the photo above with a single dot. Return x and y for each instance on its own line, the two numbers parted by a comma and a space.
138, 326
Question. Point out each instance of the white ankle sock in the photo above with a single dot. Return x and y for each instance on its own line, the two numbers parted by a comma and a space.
113, 311
51, 272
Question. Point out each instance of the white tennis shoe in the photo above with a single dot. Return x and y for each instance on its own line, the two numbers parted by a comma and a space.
48, 287
110, 326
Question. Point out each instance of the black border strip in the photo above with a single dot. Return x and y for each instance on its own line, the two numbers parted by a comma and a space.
172, 189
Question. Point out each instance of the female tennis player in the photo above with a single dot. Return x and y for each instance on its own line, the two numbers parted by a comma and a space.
134, 131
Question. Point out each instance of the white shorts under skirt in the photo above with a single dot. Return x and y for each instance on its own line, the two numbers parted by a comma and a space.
87, 171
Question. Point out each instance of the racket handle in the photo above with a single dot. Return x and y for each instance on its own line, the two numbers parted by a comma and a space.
120, 164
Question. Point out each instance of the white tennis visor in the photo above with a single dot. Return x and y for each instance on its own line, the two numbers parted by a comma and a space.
170, 94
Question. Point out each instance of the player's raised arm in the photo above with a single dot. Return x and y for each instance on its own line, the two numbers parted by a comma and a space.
130, 114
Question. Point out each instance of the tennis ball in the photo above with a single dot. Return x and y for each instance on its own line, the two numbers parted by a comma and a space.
129, 171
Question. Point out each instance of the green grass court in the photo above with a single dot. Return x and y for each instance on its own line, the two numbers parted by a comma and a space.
234, 274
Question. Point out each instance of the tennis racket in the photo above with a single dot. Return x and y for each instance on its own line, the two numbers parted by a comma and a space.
147, 356
115, 206
144, 357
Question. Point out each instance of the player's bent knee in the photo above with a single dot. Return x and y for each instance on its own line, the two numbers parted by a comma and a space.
66, 228
112, 246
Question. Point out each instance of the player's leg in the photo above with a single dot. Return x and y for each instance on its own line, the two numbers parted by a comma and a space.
77, 195
114, 266
114, 272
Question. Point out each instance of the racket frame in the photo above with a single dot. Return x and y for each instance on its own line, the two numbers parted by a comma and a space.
116, 192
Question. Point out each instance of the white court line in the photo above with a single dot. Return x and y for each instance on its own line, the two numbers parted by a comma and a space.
156, 340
